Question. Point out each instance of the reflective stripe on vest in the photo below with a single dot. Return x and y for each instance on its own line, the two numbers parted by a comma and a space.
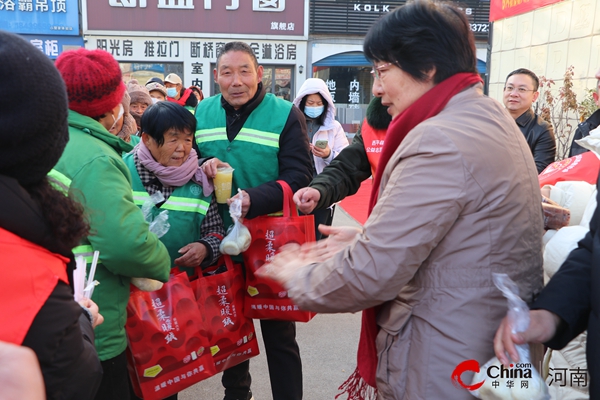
175, 203
59, 181
246, 135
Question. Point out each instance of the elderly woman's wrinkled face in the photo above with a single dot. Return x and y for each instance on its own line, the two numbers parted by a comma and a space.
398, 89
175, 148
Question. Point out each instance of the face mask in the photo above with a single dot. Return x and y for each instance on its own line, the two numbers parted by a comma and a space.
314, 112
121, 111
154, 100
171, 92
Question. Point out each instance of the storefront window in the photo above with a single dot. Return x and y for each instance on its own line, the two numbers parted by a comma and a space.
144, 71
276, 79
350, 88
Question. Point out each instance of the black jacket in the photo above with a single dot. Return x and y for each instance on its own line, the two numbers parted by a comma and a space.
295, 159
540, 138
61, 334
573, 294
583, 130
343, 176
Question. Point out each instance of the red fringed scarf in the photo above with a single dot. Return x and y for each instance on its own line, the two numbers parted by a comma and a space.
362, 385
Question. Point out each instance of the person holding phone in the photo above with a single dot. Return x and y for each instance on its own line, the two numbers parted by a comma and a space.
326, 135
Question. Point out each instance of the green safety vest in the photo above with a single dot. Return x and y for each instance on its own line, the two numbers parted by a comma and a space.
61, 182
187, 208
253, 153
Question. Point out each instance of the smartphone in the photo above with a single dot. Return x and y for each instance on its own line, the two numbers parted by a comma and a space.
321, 144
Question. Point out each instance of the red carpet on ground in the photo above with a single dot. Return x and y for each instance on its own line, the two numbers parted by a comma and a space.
358, 205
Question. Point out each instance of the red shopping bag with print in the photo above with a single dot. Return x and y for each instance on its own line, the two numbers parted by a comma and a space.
582, 167
265, 298
220, 295
167, 351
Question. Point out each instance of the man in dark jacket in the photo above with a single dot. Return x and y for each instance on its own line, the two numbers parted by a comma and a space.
588, 125
264, 138
520, 91
567, 306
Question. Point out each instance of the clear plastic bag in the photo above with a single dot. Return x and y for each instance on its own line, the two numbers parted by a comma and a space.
159, 225
521, 381
238, 237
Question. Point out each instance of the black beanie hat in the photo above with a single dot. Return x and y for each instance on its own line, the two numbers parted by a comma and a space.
33, 123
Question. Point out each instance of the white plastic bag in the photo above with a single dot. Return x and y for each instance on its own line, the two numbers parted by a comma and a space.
238, 236
159, 225
520, 381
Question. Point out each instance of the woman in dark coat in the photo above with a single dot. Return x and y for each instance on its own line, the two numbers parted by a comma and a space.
38, 228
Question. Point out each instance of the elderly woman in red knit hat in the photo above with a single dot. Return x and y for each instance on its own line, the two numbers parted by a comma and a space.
92, 171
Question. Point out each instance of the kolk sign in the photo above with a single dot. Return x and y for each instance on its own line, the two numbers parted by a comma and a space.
261, 17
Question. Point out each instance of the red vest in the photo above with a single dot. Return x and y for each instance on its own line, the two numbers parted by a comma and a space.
373, 142
28, 274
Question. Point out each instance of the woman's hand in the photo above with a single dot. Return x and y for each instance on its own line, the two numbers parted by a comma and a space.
318, 152
306, 199
292, 257
97, 318
210, 167
542, 327
193, 255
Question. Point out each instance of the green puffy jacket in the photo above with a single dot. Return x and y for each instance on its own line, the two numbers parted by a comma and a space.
92, 168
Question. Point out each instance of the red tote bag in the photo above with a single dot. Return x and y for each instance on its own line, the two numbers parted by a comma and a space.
582, 167
265, 298
221, 302
167, 351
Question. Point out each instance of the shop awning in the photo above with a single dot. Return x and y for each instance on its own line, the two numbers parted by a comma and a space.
357, 59
349, 59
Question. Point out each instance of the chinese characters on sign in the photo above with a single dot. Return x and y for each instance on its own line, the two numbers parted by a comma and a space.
331, 86
353, 94
376, 146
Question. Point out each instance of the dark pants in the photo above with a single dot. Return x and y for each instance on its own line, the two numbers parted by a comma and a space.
283, 359
324, 217
115, 380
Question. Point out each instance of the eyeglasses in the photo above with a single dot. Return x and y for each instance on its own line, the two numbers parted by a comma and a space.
376, 71
520, 90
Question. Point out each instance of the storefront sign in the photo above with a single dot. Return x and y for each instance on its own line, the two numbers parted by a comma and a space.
49, 17
197, 55
53, 46
500, 9
263, 17
355, 17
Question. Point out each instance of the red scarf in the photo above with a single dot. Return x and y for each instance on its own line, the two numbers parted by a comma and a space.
362, 384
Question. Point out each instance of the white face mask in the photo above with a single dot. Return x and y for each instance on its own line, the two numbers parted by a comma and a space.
154, 100
121, 112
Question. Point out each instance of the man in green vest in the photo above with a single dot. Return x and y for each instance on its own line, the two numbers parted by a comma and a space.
91, 171
264, 138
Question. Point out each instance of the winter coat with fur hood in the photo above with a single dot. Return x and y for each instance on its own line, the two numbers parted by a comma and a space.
331, 130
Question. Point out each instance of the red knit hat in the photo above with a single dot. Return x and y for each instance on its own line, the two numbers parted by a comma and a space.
93, 80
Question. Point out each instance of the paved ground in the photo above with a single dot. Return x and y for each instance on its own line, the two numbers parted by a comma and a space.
327, 346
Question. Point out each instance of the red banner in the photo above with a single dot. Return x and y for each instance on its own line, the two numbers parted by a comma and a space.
500, 9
